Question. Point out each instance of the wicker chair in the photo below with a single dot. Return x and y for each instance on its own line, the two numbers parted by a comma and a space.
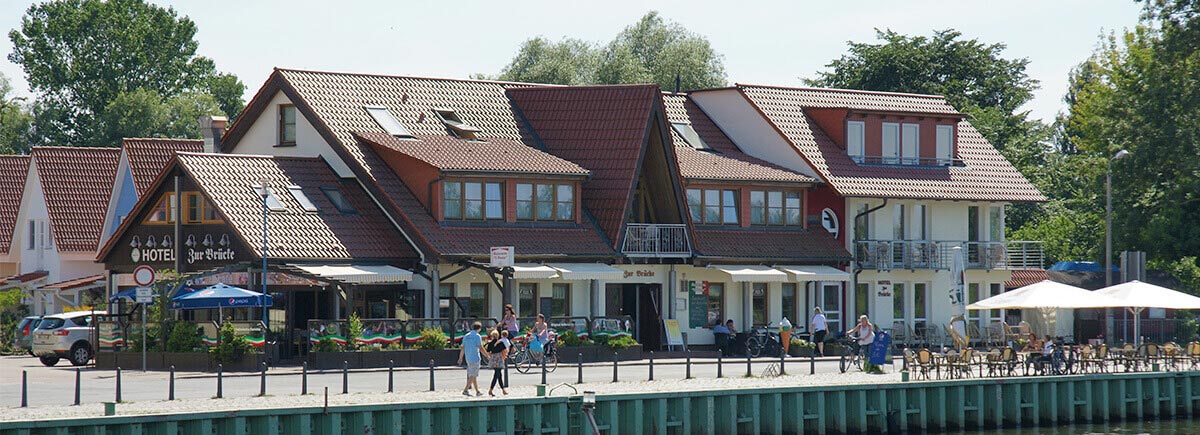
923, 364
1003, 365
900, 336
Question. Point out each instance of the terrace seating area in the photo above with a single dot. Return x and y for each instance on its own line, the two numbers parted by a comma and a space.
923, 363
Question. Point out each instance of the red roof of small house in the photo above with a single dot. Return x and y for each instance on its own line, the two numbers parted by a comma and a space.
71, 284
497, 155
1023, 277
148, 156
13, 171
77, 183
986, 175
24, 277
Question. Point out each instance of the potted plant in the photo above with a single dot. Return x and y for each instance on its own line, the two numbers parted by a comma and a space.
330, 354
572, 347
233, 351
433, 345
800, 347
183, 348
625, 347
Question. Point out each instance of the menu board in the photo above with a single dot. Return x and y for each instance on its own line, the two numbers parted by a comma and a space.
697, 306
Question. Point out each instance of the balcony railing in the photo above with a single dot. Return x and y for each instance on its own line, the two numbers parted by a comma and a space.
657, 241
939, 254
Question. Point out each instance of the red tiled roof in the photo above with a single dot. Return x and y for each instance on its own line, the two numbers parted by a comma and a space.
815, 245
294, 234
603, 129
13, 171
24, 277
1022, 278
77, 183
148, 156
986, 176
731, 164
494, 155
86, 281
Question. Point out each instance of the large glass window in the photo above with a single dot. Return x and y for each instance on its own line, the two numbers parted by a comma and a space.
898, 311
445, 299
712, 206
996, 223
472, 201
287, 124
758, 303
790, 303
920, 301
891, 143
527, 299
831, 304
855, 139
479, 300
910, 141
995, 289
560, 305
862, 223
545, 202
973, 297
199, 210
716, 303
945, 144
164, 212
775, 208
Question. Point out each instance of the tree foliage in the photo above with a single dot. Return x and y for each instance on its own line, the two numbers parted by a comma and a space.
15, 121
80, 56
650, 51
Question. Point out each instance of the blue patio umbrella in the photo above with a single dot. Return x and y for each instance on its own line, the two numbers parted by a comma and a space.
219, 296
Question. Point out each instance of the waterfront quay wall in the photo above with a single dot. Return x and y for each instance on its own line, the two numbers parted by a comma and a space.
835, 409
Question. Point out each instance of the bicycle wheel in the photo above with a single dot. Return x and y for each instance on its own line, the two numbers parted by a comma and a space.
526, 365
754, 347
551, 361
844, 363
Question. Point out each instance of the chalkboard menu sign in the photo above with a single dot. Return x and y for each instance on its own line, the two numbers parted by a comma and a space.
697, 307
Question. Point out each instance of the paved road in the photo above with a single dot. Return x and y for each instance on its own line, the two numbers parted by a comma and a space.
55, 385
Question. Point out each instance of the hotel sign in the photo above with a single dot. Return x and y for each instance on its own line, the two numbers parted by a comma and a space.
198, 247
163, 251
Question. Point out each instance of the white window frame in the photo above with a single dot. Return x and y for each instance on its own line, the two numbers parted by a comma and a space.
920, 222
910, 144
890, 148
856, 139
945, 145
991, 224
47, 240
32, 237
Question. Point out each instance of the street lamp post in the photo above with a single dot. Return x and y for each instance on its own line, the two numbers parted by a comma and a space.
1108, 228
262, 194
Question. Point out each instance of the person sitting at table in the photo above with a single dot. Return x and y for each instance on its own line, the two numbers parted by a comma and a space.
1034, 344
721, 334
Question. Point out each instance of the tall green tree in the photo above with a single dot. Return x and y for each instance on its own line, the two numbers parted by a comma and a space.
652, 50
974, 77
15, 121
81, 55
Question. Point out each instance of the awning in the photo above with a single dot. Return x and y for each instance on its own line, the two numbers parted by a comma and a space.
751, 273
585, 271
533, 271
87, 282
815, 273
358, 274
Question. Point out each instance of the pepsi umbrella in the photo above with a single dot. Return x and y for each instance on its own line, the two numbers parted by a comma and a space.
219, 296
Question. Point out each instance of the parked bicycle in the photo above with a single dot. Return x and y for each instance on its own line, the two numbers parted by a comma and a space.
852, 356
763, 341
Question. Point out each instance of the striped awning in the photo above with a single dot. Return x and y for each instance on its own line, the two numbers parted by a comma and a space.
358, 274
752, 273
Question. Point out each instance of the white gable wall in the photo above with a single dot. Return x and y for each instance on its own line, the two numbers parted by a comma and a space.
263, 136
752, 133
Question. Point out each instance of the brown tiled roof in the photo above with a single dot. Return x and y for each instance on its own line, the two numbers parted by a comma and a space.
815, 245
1024, 277
76, 283
148, 156
24, 277
986, 175
13, 171
493, 155
603, 129
728, 163
77, 183
294, 234
335, 100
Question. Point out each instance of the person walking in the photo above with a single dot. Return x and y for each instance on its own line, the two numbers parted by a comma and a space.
509, 322
497, 351
472, 346
819, 327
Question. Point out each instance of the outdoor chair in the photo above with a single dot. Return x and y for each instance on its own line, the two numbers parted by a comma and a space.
1012, 333
1149, 353
961, 367
1023, 329
899, 335
923, 364
915, 339
995, 334
933, 337
1173, 357
1003, 364
1193, 353
1098, 361
975, 334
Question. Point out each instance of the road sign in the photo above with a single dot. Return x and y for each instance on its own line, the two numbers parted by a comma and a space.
502, 256
144, 295
144, 276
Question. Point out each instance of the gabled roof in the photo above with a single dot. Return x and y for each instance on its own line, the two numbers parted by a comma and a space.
728, 163
148, 156
13, 171
985, 176
495, 155
603, 129
77, 183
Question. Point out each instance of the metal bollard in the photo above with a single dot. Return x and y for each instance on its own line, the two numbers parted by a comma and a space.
77, 397
171, 385
506, 373
262, 386
391, 374
325, 410
304, 378
345, 377
812, 364
614, 367
431, 375
118, 385
782, 371
720, 364
689, 365
580, 364
651, 365
220, 379
24, 389
748, 372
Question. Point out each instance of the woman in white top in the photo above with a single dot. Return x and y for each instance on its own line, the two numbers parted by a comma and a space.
863, 331
819, 328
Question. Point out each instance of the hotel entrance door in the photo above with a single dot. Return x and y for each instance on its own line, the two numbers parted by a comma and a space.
643, 303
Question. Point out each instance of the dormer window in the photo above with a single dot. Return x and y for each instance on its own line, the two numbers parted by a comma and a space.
387, 121
899, 143
460, 128
856, 140
945, 145
689, 135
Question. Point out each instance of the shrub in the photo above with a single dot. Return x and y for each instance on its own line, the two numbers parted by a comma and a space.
326, 344
184, 337
432, 339
622, 342
571, 338
354, 329
395, 346
796, 342
1187, 330
230, 346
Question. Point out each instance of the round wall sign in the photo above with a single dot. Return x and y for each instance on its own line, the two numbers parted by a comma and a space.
829, 220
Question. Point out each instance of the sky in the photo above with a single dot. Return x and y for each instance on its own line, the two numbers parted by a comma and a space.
763, 42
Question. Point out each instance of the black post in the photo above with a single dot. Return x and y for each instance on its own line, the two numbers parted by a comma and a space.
262, 386
748, 373
391, 373
580, 363
651, 365
24, 389
304, 378
171, 388
325, 410
431, 375
345, 377
220, 375
614, 367
118, 385
506, 373
544, 368
782, 371
77, 387
812, 363
689, 365
720, 364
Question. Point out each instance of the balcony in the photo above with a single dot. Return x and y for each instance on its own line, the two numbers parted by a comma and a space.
656, 241
939, 254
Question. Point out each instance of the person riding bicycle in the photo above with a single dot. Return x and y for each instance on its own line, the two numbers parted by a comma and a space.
864, 334
542, 335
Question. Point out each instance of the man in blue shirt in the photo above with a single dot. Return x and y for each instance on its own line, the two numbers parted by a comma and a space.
723, 333
472, 346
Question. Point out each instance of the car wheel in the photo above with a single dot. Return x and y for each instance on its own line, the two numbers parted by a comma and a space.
48, 361
80, 354
31, 353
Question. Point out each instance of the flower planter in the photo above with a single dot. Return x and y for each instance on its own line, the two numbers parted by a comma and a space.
186, 361
801, 351
334, 360
835, 349
589, 353
250, 362
442, 357
183, 361
380, 359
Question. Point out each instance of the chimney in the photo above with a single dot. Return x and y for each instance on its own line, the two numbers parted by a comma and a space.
212, 128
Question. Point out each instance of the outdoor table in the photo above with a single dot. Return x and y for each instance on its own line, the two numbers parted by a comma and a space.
1126, 357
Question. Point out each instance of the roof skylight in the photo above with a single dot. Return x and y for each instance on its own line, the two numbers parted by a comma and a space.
387, 121
689, 135
273, 202
451, 119
300, 197
339, 201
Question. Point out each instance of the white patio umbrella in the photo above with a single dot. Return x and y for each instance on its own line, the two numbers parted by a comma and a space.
1137, 296
1046, 296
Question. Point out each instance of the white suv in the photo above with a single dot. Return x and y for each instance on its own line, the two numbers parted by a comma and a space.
66, 335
